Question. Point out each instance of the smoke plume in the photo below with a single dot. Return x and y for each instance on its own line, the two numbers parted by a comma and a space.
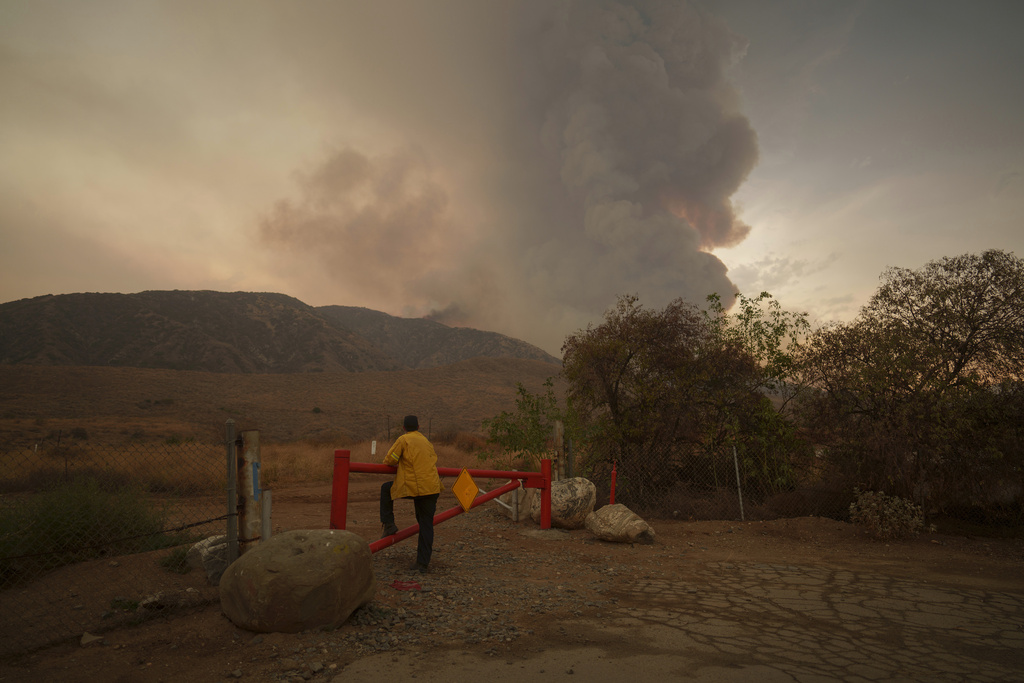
546, 158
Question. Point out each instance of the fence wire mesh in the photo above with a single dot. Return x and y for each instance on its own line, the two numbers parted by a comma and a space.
93, 537
673, 482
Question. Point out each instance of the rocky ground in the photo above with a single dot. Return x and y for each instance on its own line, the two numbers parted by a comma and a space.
506, 600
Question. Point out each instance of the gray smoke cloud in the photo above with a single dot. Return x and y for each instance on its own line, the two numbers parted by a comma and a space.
553, 156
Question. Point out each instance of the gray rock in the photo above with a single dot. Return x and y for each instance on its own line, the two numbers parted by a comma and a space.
571, 501
299, 580
619, 524
210, 555
90, 639
523, 497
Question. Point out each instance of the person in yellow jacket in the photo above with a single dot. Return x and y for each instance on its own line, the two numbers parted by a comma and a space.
416, 478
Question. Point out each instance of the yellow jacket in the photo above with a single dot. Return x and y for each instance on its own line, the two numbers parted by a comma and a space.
417, 466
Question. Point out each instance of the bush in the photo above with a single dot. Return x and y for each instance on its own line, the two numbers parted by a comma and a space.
73, 522
176, 561
886, 517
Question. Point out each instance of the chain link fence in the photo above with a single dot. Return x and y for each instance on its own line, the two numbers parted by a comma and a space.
673, 482
93, 537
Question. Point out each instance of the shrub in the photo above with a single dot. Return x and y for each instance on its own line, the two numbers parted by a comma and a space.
886, 517
76, 521
176, 561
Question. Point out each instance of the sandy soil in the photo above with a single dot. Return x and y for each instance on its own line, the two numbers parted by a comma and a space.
501, 592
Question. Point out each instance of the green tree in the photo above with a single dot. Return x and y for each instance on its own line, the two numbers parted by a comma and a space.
629, 378
912, 397
965, 312
766, 332
524, 434
667, 393
747, 402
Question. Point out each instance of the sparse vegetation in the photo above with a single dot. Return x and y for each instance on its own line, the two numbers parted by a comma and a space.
76, 521
176, 561
519, 439
154, 470
296, 463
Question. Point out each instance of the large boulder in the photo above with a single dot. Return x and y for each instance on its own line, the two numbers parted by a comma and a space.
571, 501
299, 580
210, 555
619, 524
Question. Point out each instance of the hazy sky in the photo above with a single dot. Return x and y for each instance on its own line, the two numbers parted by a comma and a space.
508, 165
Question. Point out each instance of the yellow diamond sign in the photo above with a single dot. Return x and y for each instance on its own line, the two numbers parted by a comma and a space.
465, 489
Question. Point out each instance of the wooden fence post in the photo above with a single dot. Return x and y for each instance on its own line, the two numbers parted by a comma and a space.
232, 485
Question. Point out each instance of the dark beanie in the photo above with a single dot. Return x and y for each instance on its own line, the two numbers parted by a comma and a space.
410, 423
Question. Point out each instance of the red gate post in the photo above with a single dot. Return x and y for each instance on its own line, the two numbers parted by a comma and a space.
612, 500
339, 489
545, 495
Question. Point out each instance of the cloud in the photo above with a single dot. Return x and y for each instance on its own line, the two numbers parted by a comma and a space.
585, 150
774, 273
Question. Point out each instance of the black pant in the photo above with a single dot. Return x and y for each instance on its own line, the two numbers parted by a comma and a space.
425, 507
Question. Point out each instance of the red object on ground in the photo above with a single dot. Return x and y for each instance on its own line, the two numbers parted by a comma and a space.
405, 585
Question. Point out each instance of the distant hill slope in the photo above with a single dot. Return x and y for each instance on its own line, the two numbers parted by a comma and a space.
113, 404
237, 332
418, 343
181, 330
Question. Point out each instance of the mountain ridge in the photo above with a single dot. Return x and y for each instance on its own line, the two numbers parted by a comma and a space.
234, 332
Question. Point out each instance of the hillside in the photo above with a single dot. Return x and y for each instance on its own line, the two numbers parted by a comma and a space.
237, 332
106, 405
419, 343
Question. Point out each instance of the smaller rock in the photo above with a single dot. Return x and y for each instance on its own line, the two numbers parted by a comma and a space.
619, 524
152, 602
210, 555
521, 502
90, 639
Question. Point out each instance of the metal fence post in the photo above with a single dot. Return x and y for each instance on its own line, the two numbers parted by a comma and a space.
265, 503
559, 468
250, 516
739, 488
232, 524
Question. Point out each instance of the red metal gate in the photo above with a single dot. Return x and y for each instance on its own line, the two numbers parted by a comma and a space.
343, 466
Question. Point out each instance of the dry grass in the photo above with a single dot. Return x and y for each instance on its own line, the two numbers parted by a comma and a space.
163, 430
187, 469
114, 405
306, 463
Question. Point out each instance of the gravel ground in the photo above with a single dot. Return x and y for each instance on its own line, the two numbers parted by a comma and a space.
481, 590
